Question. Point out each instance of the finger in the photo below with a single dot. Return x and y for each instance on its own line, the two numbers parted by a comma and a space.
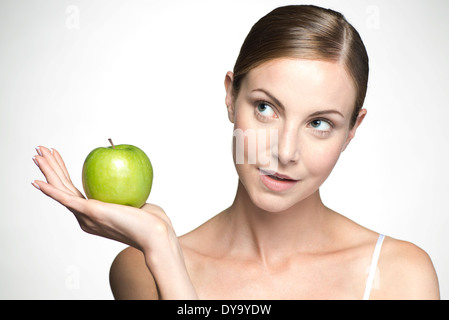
56, 169
48, 155
73, 203
78, 206
61, 163
49, 173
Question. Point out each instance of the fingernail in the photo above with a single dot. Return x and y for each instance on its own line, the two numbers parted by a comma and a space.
39, 152
51, 150
35, 161
35, 185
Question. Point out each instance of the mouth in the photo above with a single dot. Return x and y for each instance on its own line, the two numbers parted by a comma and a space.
276, 175
275, 181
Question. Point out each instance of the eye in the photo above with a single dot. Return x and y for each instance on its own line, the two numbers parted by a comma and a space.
320, 125
265, 111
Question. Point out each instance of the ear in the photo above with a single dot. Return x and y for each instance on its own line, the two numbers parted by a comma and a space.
358, 122
229, 100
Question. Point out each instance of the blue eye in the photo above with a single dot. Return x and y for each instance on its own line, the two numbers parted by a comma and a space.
265, 110
320, 125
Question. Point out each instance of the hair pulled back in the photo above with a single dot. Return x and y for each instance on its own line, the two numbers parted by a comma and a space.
305, 32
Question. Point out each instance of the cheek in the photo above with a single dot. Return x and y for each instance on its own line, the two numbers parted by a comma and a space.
321, 158
240, 138
244, 139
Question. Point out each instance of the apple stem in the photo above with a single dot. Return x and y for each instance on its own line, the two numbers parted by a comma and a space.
112, 144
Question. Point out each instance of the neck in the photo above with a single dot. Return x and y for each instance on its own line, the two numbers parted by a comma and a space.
268, 235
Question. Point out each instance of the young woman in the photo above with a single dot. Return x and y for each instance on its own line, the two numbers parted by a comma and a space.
296, 95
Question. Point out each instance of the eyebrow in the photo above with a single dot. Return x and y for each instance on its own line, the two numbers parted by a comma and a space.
319, 113
315, 114
273, 98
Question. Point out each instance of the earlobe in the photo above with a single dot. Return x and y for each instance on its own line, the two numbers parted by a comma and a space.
229, 100
352, 132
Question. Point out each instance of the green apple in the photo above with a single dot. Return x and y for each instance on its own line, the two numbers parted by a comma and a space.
120, 174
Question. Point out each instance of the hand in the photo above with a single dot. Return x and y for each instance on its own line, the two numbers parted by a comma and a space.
147, 229
132, 226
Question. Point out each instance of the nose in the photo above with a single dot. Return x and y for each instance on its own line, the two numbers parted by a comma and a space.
288, 150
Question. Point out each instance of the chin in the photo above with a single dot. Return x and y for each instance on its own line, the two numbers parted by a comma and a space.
272, 203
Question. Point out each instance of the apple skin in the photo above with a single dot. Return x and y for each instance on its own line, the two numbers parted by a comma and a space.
122, 174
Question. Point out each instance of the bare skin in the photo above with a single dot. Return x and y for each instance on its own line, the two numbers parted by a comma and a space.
334, 270
268, 244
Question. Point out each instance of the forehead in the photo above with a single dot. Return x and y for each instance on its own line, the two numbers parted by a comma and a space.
311, 84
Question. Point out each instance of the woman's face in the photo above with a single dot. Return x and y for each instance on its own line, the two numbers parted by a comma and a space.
291, 122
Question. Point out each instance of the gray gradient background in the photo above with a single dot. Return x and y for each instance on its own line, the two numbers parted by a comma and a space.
150, 73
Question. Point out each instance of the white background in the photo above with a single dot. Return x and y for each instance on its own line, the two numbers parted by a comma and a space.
150, 73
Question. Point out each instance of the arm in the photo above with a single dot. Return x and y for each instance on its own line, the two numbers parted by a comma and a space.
147, 229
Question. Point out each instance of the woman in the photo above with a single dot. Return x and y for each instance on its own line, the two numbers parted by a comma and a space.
295, 98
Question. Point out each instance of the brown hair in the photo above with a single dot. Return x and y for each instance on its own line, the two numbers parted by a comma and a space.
305, 32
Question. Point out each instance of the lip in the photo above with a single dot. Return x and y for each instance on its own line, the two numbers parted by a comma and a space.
274, 184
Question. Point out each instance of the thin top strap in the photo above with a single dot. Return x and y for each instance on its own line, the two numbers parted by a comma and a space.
372, 269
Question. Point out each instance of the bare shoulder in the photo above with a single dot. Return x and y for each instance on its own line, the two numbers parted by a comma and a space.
405, 272
130, 278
